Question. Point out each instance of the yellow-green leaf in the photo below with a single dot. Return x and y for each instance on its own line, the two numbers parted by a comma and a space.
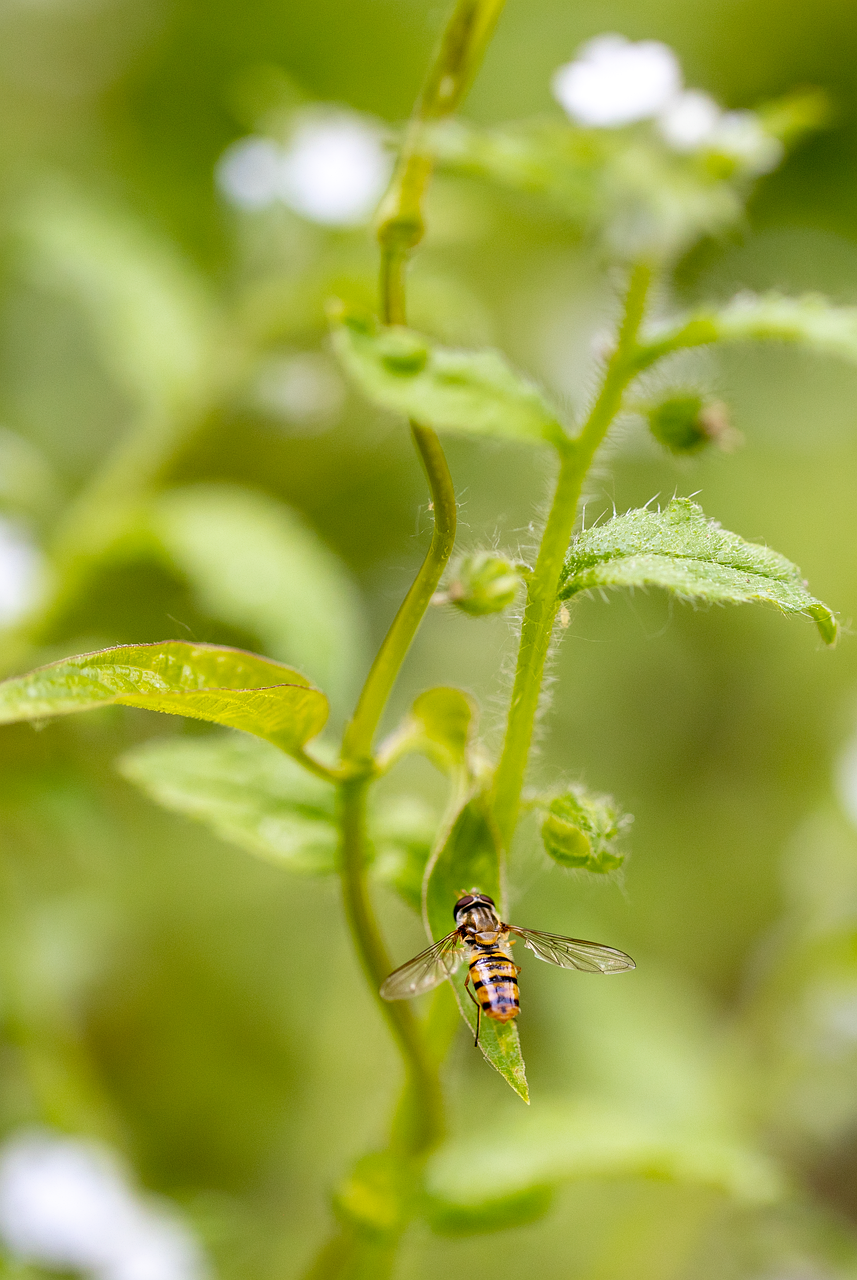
204, 681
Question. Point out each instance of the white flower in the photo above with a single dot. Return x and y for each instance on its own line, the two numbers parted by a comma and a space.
690, 120
614, 82
22, 573
66, 1204
335, 169
248, 173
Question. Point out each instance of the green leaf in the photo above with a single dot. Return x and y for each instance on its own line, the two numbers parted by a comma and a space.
204, 681
581, 830
256, 565
446, 719
682, 551
470, 859
809, 321
153, 323
468, 391
249, 793
475, 1175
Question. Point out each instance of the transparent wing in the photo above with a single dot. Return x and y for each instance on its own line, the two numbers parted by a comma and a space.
573, 953
426, 970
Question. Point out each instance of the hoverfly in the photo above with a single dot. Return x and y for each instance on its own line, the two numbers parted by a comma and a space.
482, 937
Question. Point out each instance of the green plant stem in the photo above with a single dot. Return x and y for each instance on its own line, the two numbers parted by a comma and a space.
421, 1128
575, 460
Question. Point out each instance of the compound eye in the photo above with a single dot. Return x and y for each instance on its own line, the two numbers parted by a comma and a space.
483, 897
463, 903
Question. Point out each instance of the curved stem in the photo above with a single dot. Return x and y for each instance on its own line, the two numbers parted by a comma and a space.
542, 588
424, 1125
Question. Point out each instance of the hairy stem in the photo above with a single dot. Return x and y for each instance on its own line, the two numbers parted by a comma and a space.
543, 585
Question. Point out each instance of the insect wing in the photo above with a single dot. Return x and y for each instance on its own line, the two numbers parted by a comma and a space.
574, 953
426, 970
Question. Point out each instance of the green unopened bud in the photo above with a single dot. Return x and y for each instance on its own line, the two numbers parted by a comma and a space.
580, 830
482, 583
402, 351
686, 423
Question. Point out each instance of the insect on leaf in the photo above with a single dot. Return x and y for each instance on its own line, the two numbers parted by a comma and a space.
475, 392
246, 791
684, 552
470, 858
204, 681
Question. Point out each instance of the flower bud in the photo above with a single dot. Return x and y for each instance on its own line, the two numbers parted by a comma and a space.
687, 423
580, 830
483, 583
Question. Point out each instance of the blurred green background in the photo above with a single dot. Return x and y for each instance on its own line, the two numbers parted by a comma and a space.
201, 1010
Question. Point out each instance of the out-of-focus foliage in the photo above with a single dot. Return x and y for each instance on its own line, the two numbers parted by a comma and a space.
179, 448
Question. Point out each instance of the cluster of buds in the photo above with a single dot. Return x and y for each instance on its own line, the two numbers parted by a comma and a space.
580, 830
686, 422
481, 583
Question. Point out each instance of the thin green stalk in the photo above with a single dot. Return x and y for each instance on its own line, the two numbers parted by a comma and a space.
400, 229
543, 585
423, 1126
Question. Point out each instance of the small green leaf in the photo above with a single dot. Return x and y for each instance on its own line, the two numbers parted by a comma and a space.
256, 565
441, 724
581, 830
204, 681
249, 793
470, 859
682, 551
469, 391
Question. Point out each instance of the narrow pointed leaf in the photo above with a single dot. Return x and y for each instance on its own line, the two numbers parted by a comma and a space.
470, 859
475, 392
682, 551
204, 681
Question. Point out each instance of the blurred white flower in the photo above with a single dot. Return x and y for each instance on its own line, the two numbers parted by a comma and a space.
303, 389
739, 135
690, 120
333, 170
66, 1204
22, 573
248, 173
614, 82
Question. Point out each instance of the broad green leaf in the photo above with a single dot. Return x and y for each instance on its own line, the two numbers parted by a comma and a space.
442, 725
249, 793
580, 829
204, 681
470, 859
255, 564
477, 1174
152, 320
682, 551
475, 392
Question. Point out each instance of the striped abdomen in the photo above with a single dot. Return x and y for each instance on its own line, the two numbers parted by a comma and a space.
495, 981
